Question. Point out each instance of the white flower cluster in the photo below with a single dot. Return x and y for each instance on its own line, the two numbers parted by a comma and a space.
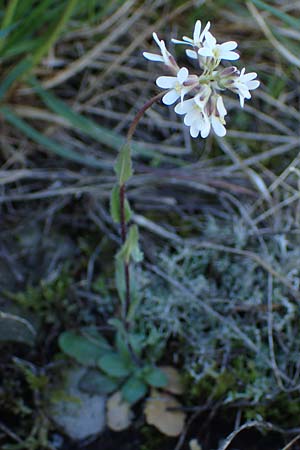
205, 109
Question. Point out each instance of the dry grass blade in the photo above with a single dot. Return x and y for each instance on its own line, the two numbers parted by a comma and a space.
291, 443
267, 32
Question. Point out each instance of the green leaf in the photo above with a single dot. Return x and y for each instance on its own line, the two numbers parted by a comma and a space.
93, 334
137, 342
130, 248
117, 324
135, 295
133, 390
94, 382
122, 347
85, 349
115, 210
120, 279
155, 377
112, 364
123, 166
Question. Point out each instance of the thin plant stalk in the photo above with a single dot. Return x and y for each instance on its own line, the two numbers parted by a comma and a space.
130, 134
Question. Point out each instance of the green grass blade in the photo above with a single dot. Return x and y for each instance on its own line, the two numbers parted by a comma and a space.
9, 13
8, 18
291, 21
6, 31
97, 132
36, 17
87, 126
55, 32
13, 75
47, 143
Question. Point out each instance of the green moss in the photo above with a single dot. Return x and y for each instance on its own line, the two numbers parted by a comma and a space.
284, 410
49, 301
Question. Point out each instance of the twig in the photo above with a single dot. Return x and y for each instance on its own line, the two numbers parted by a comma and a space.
247, 425
292, 442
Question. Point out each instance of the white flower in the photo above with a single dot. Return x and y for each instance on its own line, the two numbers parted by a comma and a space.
165, 56
203, 113
177, 86
217, 115
194, 118
196, 41
218, 51
243, 84
195, 115
204, 110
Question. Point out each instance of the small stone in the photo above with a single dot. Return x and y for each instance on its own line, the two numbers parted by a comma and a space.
79, 415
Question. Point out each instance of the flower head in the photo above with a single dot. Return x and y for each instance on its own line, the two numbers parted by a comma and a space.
177, 85
196, 41
204, 110
244, 83
218, 51
165, 56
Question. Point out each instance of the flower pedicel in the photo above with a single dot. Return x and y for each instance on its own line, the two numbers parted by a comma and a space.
204, 110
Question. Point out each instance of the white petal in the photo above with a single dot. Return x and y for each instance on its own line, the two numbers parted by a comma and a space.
194, 130
242, 100
153, 57
205, 130
170, 97
230, 45
191, 54
205, 51
249, 76
205, 30
184, 107
191, 117
220, 107
253, 84
187, 39
182, 75
176, 41
197, 31
155, 37
210, 39
166, 82
218, 127
229, 55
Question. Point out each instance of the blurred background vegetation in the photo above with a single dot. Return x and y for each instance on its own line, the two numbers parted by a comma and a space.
219, 219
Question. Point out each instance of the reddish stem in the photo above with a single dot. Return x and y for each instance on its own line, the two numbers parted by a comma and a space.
130, 133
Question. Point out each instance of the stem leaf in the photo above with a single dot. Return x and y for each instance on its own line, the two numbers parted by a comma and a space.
130, 249
115, 209
123, 166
